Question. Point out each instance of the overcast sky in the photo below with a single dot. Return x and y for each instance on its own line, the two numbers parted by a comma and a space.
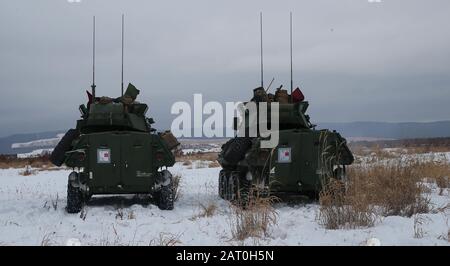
354, 60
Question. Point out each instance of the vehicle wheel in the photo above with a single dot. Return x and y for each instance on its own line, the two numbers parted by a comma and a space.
58, 155
165, 196
236, 150
232, 186
244, 191
312, 195
226, 186
222, 183
74, 199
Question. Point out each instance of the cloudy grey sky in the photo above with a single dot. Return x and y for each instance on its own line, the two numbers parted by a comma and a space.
354, 60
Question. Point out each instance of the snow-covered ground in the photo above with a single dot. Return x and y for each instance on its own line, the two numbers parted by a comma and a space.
29, 215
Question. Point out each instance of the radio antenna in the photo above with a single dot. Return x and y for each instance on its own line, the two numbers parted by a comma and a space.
93, 59
122, 52
292, 82
262, 63
270, 84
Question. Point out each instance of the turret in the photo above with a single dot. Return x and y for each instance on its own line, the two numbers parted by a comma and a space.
292, 108
122, 113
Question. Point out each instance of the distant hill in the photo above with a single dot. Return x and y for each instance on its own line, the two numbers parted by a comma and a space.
7, 142
384, 130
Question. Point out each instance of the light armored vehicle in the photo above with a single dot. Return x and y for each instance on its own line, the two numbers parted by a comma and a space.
115, 150
304, 159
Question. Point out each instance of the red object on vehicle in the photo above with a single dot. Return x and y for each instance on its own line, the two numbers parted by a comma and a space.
89, 96
297, 95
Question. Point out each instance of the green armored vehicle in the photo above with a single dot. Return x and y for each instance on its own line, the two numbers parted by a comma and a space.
114, 150
303, 160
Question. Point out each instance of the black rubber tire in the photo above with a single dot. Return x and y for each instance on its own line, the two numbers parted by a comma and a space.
165, 197
226, 188
232, 188
313, 195
58, 155
74, 199
244, 186
236, 150
222, 183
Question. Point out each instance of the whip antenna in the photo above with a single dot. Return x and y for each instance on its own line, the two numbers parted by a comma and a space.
93, 59
270, 84
292, 82
122, 51
262, 65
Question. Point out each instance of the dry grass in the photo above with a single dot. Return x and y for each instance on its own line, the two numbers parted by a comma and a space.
255, 220
427, 149
176, 187
206, 210
131, 215
34, 165
199, 156
409, 146
344, 209
13, 162
119, 214
214, 164
419, 221
395, 188
28, 171
376, 151
166, 239
47, 240
199, 165
383, 154
437, 171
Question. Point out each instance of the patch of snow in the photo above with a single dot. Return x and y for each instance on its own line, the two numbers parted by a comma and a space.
373, 242
73, 242
33, 210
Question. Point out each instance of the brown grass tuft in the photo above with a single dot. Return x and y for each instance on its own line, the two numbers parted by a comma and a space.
166, 239
199, 156
28, 171
209, 210
255, 219
437, 171
47, 239
186, 163
206, 211
176, 187
395, 188
418, 226
214, 164
344, 209
7, 161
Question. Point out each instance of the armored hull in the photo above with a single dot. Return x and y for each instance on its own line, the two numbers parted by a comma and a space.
302, 162
114, 150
